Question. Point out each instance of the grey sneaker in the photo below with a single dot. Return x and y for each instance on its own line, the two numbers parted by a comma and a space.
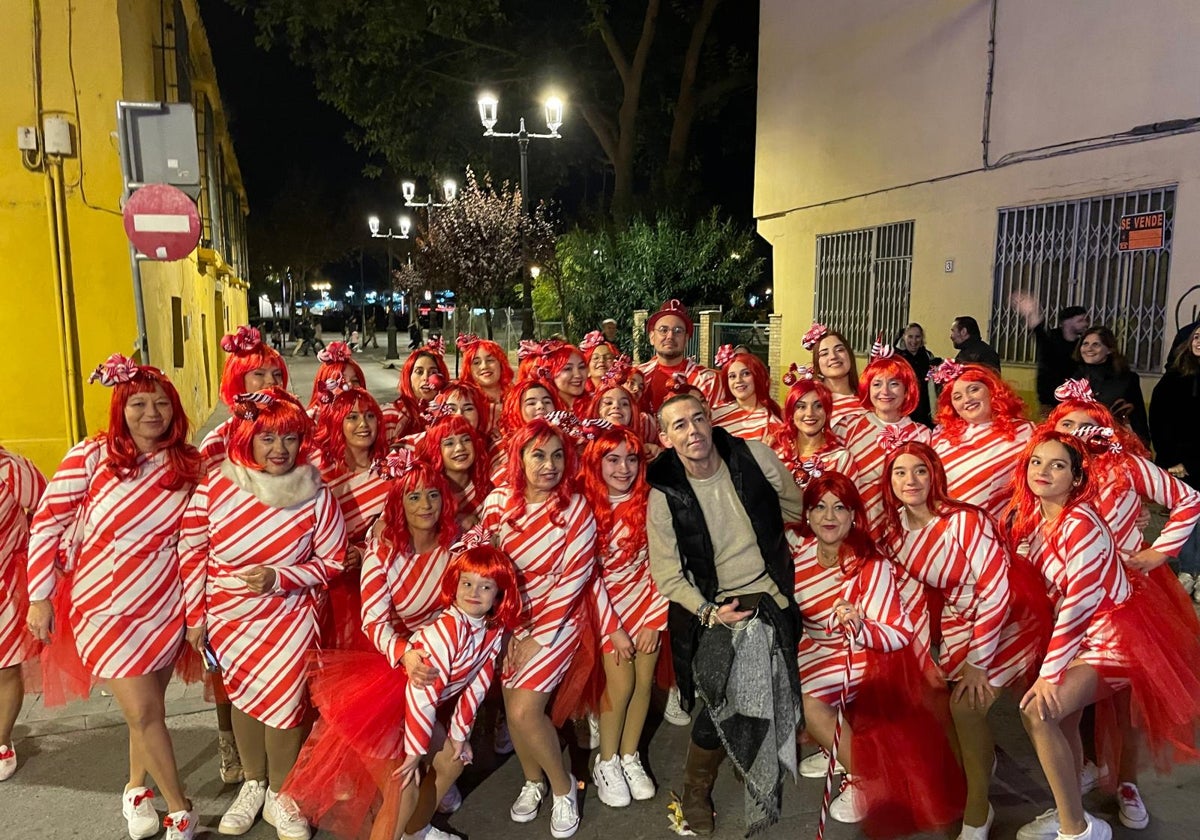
564, 817
1188, 582
529, 800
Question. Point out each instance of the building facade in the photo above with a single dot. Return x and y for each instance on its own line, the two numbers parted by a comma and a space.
63, 250
918, 160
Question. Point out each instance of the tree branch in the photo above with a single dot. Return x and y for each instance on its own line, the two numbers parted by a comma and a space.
610, 42
603, 128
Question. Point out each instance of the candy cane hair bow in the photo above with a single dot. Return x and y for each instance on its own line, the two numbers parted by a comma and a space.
891, 438
797, 373
396, 464
592, 340
724, 355
1079, 390
815, 333
1099, 438
880, 349
435, 411
329, 389
436, 346
249, 406
580, 430
472, 538
945, 373
242, 341
465, 341
115, 370
618, 373
335, 351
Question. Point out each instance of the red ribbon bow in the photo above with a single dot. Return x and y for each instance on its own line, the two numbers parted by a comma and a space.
1079, 390
945, 373
329, 389
335, 351
618, 373
142, 797
249, 406
465, 341
242, 341
592, 340
724, 355
527, 349
796, 373
815, 333
473, 538
395, 465
115, 370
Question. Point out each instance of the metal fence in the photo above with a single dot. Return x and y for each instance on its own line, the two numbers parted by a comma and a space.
864, 278
1068, 254
754, 337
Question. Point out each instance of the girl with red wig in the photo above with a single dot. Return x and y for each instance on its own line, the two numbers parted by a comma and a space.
614, 402
550, 534
952, 548
599, 355
808, 446
837, 369
527, 400
349, 438
632, 614
746, 408
568, 372
112, 514
1113, 634
262, 536
857, 654
485, 365
465, 400
980, 433
337, 362
381, 731
460, 451
888, 391
249, 366
21, 489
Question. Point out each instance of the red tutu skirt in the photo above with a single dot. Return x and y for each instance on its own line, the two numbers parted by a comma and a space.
341, 615
903, 763
64, 676
1033, 614
1165, 579
348, 759
581, 691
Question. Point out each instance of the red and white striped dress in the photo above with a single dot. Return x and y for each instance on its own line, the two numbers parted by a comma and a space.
828, 459
863, 440
980, 466
400, 594
262, 641
396, 419
554, 565
626, 597
1085, 580
757, 424
463, 650
21, 489
846, 407
1119, 508
960, 555
126, 596
360, 496
212, 448
824, 647
470, 499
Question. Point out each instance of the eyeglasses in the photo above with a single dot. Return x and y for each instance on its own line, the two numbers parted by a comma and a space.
665, 330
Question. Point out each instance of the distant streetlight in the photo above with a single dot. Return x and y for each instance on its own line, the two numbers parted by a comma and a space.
405, 225
449, 193
489, 107
534, 271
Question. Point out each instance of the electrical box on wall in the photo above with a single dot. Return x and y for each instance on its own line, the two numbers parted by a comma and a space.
57, 133
27, 140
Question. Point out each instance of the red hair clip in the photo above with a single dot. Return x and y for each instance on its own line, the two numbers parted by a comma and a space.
815, 333
1079, 390
618, 373
724, 355
945, 373
1099, 438
335, 351
115, 370
436, 346
242, 341
797, 373
329, 389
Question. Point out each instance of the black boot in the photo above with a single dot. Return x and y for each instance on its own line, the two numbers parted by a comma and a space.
699, 776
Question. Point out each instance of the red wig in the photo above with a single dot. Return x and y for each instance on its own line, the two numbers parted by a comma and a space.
335, 370
533, 434
893, 367
596, 491
183, 459
330, 437
558, 358
939, 501
492, 563
511, 418
852, 381
1108, 466
282, 415
467, 393
494, 350
1007, 407
1024, 512
241, 361
429, 449
797, 392
760, 375
394, 532
858, 547
635, 411
405, 385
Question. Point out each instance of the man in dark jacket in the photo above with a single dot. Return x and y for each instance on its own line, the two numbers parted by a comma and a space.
1055, 347
717, 552
967, 340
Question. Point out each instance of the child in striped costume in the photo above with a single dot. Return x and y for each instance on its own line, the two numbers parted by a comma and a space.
118, 593
599, 355
615, 402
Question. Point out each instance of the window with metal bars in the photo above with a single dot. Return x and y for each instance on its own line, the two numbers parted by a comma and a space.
1069, 253
173, 82
864, 279
205, 142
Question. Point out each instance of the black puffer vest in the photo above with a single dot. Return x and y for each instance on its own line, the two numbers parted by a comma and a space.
761, 502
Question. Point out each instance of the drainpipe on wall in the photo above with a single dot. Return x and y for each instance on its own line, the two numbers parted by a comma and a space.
987, 93
56, 215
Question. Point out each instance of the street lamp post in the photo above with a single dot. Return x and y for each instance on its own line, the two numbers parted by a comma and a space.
393, 352
489, 107
449, 193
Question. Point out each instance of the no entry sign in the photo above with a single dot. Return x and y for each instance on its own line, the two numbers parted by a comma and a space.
162, 222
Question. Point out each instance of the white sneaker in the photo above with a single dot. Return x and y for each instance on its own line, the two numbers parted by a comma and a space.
674, 713
1188, 582
848, 806
501, 741
8, 762
180, 825
611, 787
435, 833
641, 786
241, 815
564, 816
1132, 810
137, 804
815, 766
281, 811
451, 802
1097, 829
528, 801
978, 832
1044, 827
593, 724
1090, 776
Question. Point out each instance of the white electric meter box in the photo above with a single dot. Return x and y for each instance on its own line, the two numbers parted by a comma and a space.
161, 144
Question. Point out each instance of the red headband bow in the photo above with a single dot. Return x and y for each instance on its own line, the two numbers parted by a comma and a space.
115, 370
1079, 390
527, 349
249, 406
815, 333
724, 355
436, 346
618, 373
335, 351
329, 389
395, 465
796, 373
945, 373
466, 341
592, 340
242, 341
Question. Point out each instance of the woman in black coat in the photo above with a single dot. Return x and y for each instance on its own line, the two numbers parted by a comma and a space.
910, 346
1113, 383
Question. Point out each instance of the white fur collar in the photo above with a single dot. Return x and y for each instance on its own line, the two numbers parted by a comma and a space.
277, 491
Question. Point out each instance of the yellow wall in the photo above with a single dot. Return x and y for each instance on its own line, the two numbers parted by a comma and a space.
862, 101
112, 57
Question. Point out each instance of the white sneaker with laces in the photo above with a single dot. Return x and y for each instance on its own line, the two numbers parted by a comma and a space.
641, 786
1132, 810
1044, 827
673, 713
528, 801
1188, 582
435, 833
593, 723
241, 815
8, 762
848, 806
1090, 776
611, 787
180, 825
501, 741
451, 802
282, 812
564, 816
815, 765
1097, 829
137, 805
978, 832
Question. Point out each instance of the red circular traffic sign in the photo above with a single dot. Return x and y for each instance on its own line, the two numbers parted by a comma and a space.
162, 222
